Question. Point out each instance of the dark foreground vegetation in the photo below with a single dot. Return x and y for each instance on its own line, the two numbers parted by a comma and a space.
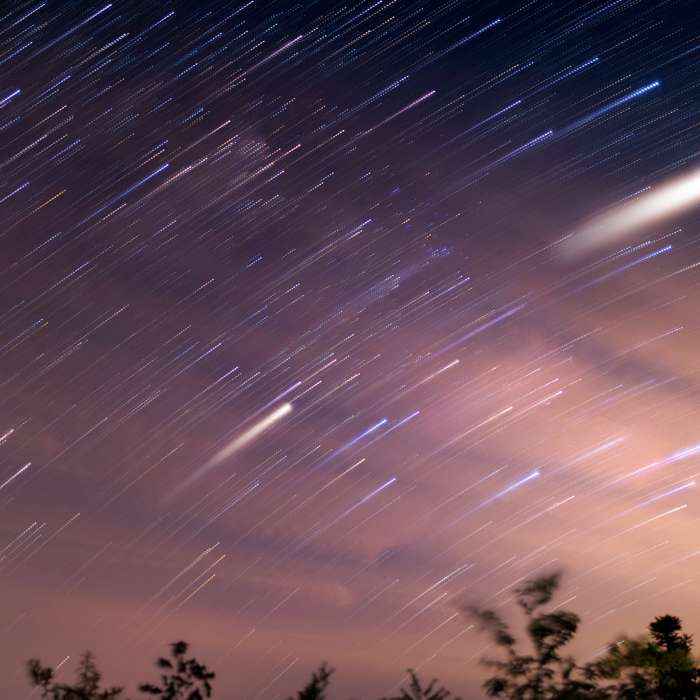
658, 666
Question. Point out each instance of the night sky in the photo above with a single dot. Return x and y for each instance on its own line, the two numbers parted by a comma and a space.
303, 345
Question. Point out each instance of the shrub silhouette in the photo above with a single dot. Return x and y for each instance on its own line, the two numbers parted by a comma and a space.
315, 689
659, 666
182, 678
542, 672
86, 687
417, 692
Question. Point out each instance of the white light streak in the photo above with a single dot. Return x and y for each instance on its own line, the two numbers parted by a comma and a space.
625, 220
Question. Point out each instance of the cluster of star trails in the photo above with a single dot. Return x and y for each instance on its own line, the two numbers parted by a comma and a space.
321, 321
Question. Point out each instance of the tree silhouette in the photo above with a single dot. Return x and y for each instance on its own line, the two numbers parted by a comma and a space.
417, 692
542, 673
182, 678
315, 689
659, 667
87, 686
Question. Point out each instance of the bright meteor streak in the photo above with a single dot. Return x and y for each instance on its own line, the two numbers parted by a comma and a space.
623, 221
237, 444
249, 435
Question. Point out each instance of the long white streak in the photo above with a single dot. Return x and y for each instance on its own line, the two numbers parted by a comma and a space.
249, 435
15, 475
237, 444
651, 520
624, 220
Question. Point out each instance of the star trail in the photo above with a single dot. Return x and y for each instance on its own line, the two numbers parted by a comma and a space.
320, 319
